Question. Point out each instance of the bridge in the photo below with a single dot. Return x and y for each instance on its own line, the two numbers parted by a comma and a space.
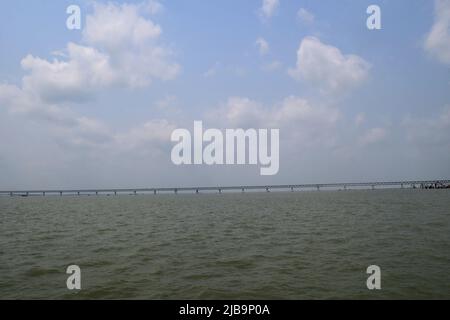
421, 184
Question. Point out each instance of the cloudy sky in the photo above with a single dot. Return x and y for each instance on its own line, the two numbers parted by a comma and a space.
95, 107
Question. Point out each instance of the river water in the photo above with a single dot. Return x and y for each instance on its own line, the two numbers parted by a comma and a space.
300, 245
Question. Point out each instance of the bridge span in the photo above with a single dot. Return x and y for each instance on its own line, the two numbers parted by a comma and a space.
420, 184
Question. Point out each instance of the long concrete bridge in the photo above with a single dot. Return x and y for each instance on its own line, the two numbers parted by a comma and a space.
422, 184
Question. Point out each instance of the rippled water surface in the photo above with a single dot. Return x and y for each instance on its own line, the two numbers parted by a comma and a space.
230, 246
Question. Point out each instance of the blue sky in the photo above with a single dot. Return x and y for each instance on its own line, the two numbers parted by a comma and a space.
369, 104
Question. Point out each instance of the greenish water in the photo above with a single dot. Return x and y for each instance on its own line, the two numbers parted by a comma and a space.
230, 246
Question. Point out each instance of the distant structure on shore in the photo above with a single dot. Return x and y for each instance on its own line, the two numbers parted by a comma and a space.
426, 184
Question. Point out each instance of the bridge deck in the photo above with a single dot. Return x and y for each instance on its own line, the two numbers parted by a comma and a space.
344, 185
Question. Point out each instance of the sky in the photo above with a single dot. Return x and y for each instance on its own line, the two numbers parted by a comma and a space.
95, 107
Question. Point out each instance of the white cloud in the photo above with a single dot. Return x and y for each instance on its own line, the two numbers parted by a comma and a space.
60, 120
437, 42
296, 118
13, 98
80, 131
120, 47
154, 133
299, 111
243, 112
305, 16
306, 124
132, 42
263, 46
268, 8
325, 66
114, 27
85, 70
